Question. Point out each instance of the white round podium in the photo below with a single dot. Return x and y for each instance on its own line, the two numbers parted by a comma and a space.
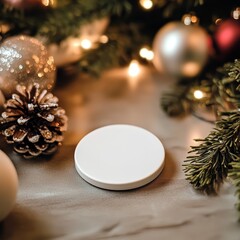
119, 157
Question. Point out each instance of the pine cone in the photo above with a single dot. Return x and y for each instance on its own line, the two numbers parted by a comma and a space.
33, 122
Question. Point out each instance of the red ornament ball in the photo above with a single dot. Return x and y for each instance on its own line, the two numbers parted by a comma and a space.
227, 40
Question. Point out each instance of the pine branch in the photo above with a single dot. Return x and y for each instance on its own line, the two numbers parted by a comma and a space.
66, 21
234, 174
174, 102
227, 81
61, 22
94, 61
117, 52
207, 166
221, 92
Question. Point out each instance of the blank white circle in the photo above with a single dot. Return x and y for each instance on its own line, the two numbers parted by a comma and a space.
119, 157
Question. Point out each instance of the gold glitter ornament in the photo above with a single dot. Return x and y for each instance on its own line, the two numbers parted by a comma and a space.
25, 60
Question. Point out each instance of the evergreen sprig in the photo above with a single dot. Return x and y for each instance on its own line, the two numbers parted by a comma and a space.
217, 157
227, 81
174, 102
234, 174
115, 53
221, 89
207, 166
106, 55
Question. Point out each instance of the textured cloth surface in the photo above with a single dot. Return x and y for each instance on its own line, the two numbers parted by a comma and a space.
54, 202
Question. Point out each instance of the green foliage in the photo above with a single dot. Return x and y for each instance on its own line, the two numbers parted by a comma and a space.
218, 155
115, 53
174, 102
221, 88
234, 174
58, 23
106, 55
227, 81
130, 28
208, 165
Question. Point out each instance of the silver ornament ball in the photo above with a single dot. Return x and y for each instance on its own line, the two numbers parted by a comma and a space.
25, 60
180, 50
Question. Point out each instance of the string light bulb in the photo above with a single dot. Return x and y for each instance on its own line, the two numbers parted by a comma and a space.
190, 19
48, 3
134, 68
198, 94
218, 21
236, 13
4, 28
86, 44
104, 39
146, 53
146, 4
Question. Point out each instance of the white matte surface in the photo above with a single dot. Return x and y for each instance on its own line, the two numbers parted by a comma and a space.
119, 157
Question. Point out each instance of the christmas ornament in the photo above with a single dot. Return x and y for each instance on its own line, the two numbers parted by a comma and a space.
33, 122
29, 4
25, 60
227, 39
8, 185
180, 50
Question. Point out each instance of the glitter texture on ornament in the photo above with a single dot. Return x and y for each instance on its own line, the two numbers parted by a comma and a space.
25, 60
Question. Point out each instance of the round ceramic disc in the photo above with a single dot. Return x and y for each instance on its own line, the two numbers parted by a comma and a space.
119, 157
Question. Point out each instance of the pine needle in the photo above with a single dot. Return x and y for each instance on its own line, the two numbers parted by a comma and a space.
234, 174
208, 164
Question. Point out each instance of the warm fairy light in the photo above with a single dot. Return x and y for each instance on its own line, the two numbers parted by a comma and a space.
147, 4
48, 2
189, 19
146, 53
4, 28
198, 94
103, 39
86, 44
133, 73
190, 69
134, 68
218, 21
236, 13
45, 2
194, 19
143, 52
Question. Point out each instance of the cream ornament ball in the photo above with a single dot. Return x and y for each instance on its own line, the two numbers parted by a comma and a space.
180, 50
25, 60
8, 185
